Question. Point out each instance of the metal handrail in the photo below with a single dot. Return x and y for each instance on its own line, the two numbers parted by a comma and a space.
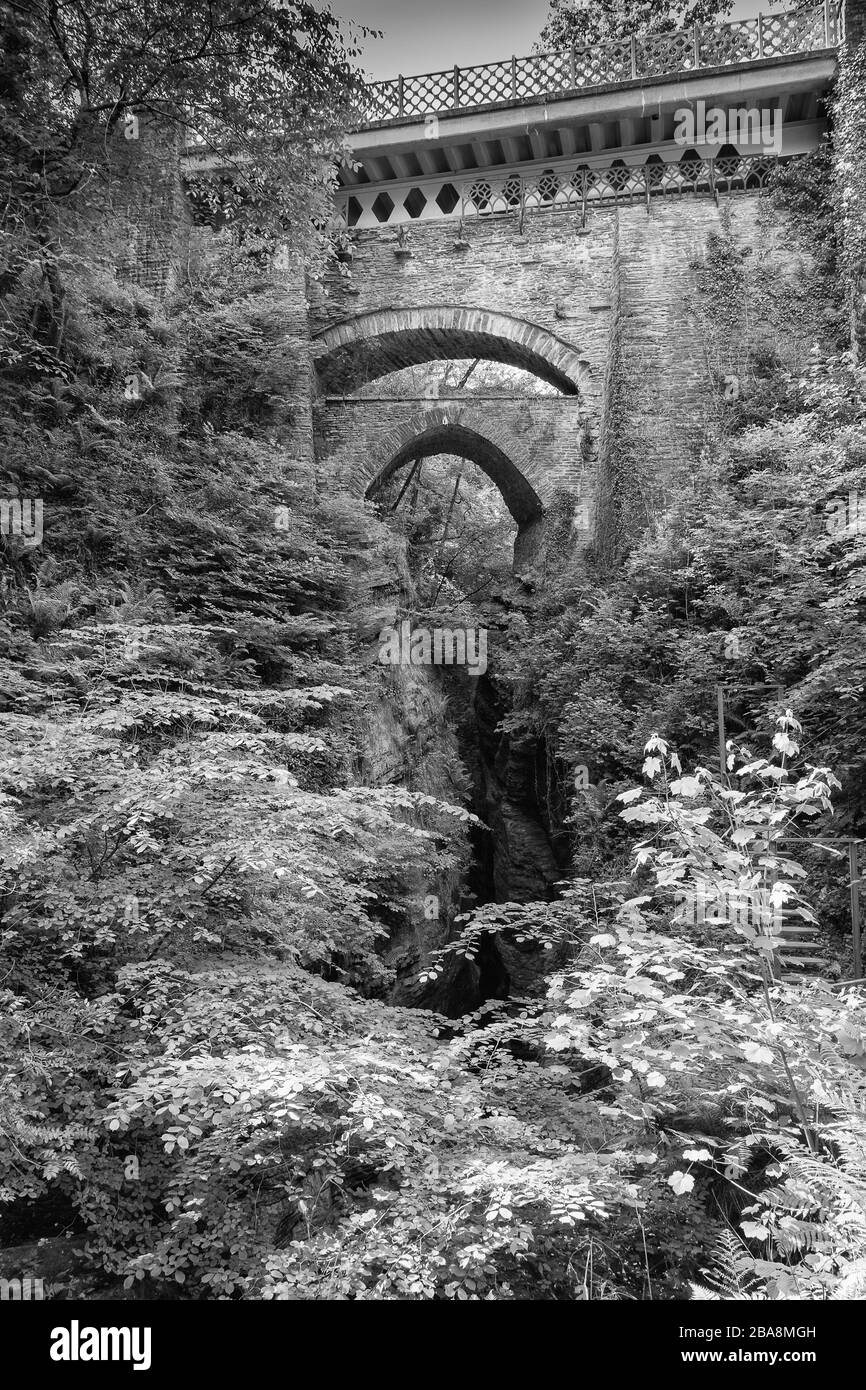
631, 59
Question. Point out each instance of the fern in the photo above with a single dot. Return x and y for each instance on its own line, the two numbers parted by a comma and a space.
730, 1275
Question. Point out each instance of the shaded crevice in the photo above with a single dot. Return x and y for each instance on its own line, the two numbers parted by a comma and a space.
519, 858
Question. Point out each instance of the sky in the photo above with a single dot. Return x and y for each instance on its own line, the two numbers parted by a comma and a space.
427, 35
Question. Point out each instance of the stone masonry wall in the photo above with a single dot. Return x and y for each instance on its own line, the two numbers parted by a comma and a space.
855, 21
567, 280
669, 395
148, 196
552, 274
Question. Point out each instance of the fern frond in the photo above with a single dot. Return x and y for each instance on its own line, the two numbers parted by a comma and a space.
730, 1275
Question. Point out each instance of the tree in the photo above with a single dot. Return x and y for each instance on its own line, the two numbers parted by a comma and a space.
587, 22
266, 89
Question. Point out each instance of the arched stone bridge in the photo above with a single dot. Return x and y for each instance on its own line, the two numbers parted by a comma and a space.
372, 345
542, 215
530, 445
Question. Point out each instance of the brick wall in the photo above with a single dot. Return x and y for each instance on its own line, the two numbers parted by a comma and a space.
147, 194
669, 397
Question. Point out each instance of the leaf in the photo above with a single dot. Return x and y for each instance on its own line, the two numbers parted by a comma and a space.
681, 1182
643, 987
647, 813
757, 1053
753, 1230
686, 786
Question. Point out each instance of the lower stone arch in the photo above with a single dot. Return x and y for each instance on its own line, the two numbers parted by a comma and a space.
443, 432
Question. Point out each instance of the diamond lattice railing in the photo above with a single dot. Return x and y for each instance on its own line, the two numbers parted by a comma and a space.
480, 86
732, 43
551, 74
665, 53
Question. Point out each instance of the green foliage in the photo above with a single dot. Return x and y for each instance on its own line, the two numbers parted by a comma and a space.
209, 885
604, 658
746, 1090
849, 115
587, 23
265, 90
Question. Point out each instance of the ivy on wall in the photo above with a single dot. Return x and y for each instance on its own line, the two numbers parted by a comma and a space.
621, 511
849, 140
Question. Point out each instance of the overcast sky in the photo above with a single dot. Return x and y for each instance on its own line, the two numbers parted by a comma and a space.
427, 35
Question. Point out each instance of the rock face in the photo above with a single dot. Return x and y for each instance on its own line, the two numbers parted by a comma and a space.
526, 860
514, 799
426, 728
523, 854
524, 866
407, 741
436, 730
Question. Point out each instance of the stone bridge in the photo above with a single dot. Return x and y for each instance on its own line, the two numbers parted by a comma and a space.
546, 213
542, 213
530, 445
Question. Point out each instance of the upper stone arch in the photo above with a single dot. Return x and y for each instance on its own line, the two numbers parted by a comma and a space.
372, 345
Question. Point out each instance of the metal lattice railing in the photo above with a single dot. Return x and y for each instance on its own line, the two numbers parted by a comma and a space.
554, 74
576, 186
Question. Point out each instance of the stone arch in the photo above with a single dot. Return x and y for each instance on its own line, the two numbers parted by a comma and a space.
374, 344
445, 431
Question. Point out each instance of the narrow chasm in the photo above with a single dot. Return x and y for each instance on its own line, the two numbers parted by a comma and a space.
456, 542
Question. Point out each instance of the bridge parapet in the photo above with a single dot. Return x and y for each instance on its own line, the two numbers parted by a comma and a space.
631, 60
698, 111
558, 186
